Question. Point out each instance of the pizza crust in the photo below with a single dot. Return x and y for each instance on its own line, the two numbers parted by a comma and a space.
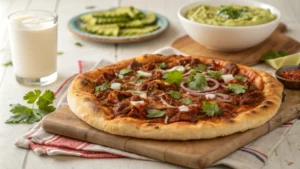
86, 107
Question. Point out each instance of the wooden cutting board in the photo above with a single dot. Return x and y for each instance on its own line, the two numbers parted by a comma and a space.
251, 56
192, 154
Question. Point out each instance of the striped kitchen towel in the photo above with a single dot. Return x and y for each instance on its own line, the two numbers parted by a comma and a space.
252, 156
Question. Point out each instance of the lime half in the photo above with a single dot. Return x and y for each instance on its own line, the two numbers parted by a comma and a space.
277, 63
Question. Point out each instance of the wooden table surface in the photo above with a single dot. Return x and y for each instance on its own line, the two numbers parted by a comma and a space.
12, 157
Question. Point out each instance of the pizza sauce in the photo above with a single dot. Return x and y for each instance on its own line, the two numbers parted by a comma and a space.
170, 91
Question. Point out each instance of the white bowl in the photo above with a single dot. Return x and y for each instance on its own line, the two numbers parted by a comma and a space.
227, 38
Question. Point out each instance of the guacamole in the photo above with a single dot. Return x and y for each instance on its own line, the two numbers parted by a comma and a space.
233, 15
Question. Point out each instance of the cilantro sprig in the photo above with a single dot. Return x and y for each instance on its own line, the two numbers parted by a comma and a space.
24, 114
197, 82
237, 88
124, 71
173, 77
174, 94
200, 67
241, 78
162, 65
152, 113
102, 87
186, 101
214, 74
211, 108
273, 55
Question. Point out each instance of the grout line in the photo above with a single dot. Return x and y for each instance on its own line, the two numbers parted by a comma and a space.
25, 159
56, 5
28, 5
116, 52
116, 45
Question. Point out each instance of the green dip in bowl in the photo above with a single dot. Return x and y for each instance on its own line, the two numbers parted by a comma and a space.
230, 15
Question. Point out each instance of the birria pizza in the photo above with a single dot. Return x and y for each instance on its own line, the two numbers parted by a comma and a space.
174, 97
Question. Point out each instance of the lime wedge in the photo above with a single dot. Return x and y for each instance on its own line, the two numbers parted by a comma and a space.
277, 63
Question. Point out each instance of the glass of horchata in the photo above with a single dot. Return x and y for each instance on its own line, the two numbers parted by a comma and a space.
33, 42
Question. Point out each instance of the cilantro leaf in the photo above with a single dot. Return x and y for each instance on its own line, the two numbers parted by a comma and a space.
18, 118
124, 71
139, 80
211, 108
44, 102
241, 78
214, 74
162, 65
173, 77
78, 44
174, 94
155, 113
237, 88
201, 67
20, 109
186, 101
60, 53
32, 96
273, 55
102, 87
8, 63
24, 114
197, 82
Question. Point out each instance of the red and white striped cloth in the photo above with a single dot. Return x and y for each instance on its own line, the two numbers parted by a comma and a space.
254, 155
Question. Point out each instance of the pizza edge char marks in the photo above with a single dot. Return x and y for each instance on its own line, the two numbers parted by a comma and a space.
174, 97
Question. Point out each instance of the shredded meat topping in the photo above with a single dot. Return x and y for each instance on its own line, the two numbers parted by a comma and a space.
231, 68
139, 93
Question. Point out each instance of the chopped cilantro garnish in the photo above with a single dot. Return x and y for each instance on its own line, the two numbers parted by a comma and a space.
78, 44
8, 63
102, 87
273, 55
173, 77
155, 113
162, 65
211, 108
24, 114
133, 92
241, 78
237, 88
201, 67
214, 74
197, 82
186, 101
124, 71
60, 53
139, 80
174, 94
230, 12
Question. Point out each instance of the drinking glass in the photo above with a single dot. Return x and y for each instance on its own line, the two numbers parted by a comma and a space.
33, 42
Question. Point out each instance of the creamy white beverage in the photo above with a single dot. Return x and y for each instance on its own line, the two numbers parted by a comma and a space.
33, 42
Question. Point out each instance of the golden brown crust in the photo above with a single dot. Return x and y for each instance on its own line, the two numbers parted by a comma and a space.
86, 107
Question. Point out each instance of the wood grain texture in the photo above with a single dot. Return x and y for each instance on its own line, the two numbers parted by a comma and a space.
192, 154
277, 41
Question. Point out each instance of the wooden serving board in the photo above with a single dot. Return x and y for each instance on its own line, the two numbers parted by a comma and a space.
192, 154
251, 56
